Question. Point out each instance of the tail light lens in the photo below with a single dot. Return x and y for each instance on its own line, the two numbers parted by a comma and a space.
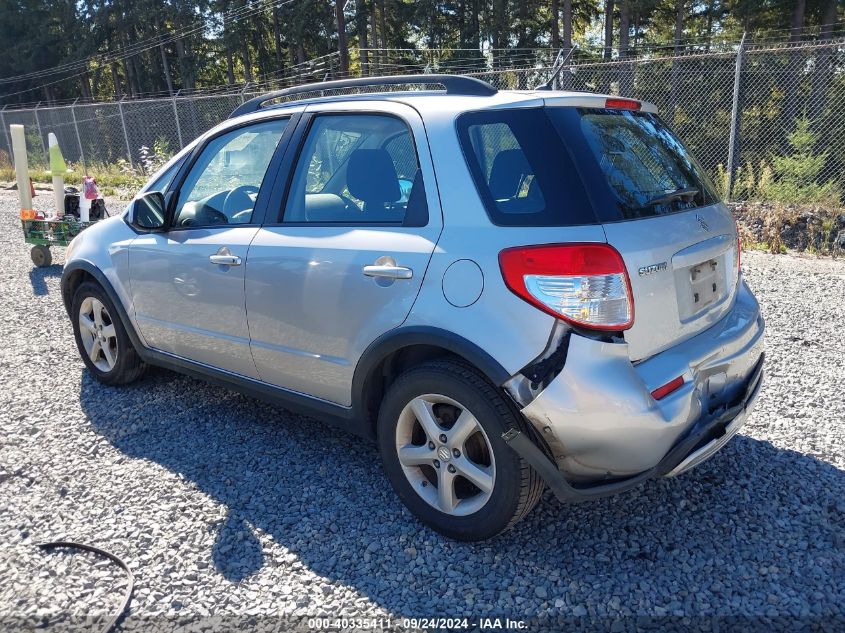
622, 104
584, 284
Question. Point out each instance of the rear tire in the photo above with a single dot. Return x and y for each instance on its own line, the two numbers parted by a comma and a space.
102, 339
440, 434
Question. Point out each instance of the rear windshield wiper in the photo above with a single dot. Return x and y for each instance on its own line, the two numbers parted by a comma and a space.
686, 195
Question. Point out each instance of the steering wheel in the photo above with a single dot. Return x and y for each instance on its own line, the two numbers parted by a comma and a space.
213, 216
238, 201
204, 215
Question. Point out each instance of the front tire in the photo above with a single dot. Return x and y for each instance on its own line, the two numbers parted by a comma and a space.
440, 433
101, 337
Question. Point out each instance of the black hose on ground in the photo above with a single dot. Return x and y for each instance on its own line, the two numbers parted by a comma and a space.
117, 561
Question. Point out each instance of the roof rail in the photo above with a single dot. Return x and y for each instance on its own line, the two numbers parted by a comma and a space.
454, 84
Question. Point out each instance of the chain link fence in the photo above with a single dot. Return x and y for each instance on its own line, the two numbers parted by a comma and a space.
766, 121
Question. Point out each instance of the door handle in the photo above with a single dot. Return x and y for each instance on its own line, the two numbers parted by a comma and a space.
388, 272
224, 257
225, 260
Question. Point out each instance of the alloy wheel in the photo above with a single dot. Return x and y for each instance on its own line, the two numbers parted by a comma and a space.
98, 334
445, 454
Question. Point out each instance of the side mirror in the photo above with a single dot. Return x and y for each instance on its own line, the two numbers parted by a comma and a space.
148, 212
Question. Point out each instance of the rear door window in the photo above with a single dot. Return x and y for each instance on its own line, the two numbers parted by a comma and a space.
522, 170
357, 169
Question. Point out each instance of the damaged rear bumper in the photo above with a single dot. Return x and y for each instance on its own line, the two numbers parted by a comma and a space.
603, 432
704, 438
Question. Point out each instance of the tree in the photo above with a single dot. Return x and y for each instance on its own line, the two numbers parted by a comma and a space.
796, 176
361, 25
190, 44
567, 24
608, 29
626, 71
678, 34
797, 27
342, 45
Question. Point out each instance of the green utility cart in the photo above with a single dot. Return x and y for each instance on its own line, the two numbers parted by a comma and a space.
43, 234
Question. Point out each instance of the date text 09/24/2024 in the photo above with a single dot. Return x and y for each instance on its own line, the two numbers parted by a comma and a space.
437, 623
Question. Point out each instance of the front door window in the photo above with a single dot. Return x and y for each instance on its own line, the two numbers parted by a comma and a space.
223, 183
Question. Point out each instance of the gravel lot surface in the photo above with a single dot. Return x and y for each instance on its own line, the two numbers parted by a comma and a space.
226, 507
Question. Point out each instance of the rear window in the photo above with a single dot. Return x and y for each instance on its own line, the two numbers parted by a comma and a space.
647, 168
564, 166
522, 170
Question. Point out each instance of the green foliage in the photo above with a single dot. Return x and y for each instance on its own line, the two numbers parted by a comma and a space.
268, 37
751, 180
796, 177
154, 159
112, 179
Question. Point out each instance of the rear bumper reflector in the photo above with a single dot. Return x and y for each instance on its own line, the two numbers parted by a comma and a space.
669, 387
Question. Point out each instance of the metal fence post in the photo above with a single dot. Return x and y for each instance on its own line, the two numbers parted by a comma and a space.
78, 137
40, 133
736, 114
6, 130
243, 92
176, 118
125, 133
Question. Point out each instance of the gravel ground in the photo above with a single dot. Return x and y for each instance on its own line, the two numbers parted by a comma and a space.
225, 507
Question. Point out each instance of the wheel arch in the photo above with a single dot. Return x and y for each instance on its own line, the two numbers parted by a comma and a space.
74, 276
78, 272
401, 348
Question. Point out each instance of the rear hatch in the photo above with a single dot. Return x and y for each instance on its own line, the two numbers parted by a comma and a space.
683, 274
659, 209
587, 168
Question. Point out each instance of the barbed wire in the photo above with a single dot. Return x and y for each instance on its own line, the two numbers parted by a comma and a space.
141, 46
781, 85
327, 65
641, 49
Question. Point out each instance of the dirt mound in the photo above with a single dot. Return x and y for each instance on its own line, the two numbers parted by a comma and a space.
779, 227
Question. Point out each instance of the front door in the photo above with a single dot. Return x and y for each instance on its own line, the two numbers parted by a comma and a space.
187, 284
343, 259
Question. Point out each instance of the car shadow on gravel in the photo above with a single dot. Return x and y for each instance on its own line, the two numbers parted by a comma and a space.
756, 528
38, 278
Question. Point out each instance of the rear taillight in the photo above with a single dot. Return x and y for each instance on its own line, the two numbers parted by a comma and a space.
584, 284
622, 104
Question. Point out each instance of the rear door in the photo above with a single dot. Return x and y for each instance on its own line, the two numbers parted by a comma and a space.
660, 211
343, 252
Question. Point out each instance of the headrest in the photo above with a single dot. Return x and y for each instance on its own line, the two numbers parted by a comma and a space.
371, 176
509, 169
